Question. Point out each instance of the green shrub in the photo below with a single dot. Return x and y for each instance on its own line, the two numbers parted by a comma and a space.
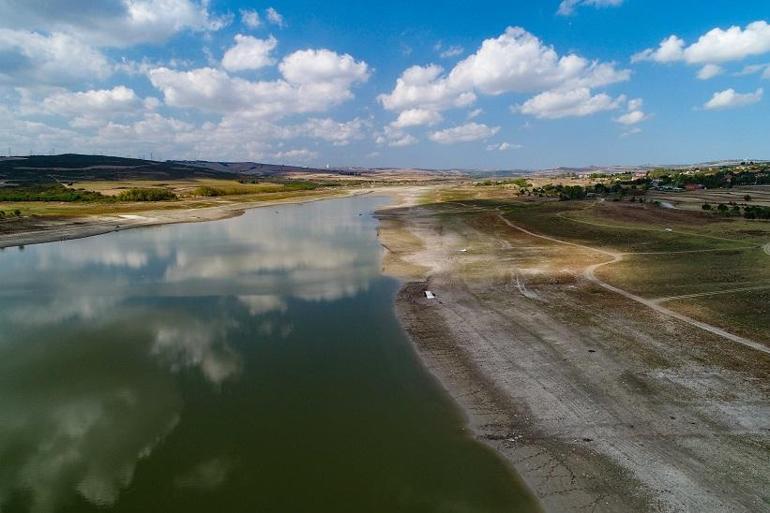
208, 192
147, 195
48, 192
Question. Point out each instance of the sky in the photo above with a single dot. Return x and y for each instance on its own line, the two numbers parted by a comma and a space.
451, 84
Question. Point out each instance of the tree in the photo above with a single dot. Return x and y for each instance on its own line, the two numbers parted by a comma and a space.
722, 208
17, 212
747, 198
706, 206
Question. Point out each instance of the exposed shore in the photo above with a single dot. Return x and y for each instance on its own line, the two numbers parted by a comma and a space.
42, 230
599, 405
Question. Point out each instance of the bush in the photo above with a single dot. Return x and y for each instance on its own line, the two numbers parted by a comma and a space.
208, 192
147, 195
756, 212
706, 206
48, 192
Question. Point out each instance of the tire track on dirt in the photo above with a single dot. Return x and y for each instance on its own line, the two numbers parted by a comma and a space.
590, 274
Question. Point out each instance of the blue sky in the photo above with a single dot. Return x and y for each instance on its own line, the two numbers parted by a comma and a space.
454, 84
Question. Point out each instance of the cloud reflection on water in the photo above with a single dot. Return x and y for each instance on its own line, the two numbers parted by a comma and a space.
111, 320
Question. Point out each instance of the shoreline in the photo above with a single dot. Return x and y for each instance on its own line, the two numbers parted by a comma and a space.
57, 230
605, 414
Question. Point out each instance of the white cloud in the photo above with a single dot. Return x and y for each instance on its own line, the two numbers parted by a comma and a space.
313, 81
249, 53
567, 7
417, 117
111, 22
323, 66
395, 137
729, 99
338, 133
710, 71
420, 87
670, 49
250, 18
714, 47
96, 107
517, 61
463, 133
635, 114
569, 103
514, 62
275, 17
31, 59
503, 147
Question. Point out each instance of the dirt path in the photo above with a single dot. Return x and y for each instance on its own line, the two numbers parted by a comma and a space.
590, 274
708, 294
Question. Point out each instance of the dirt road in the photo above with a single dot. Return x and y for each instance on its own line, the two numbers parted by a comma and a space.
590, 274
600, 401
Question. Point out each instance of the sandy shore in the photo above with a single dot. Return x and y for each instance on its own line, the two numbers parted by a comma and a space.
41, 230
599, 404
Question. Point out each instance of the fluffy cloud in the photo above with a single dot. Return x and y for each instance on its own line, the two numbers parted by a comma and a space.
422, 87
313, 81
729, 99
323, 66
515, 62
634, 115
111, 22
395, 137
417, 117
96, 107
338, 133
463, 133
710, 71
567, 7
670, 49
28, 58
715, 46
569, 103
249, 53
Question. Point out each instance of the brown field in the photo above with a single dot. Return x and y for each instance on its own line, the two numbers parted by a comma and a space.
587, 391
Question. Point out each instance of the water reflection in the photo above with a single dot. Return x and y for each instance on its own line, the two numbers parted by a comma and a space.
252, 364
95, 332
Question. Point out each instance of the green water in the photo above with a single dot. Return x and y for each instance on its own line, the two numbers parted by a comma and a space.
247, 365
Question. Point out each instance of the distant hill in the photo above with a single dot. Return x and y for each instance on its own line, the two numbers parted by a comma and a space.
73, 167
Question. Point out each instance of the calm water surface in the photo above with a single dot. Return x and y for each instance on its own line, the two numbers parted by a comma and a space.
247, 365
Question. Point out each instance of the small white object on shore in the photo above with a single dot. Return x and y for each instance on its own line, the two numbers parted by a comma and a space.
430, 295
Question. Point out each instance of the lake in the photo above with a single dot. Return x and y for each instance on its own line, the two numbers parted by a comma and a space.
250, 365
